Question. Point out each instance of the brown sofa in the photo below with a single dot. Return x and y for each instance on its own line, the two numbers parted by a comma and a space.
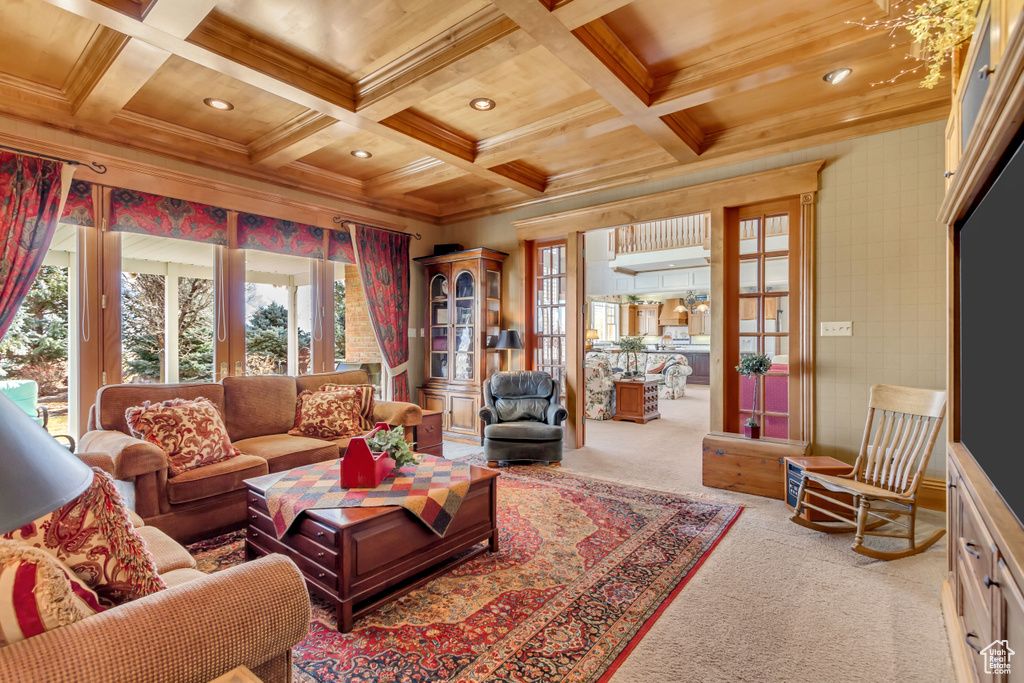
258, 411
201, 627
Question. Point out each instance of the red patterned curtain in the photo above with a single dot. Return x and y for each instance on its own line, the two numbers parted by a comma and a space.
151, 214
340, 247
383, 258
78, 206
30, 192
279, 236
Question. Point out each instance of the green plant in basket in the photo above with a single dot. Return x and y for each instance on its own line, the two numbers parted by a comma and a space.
392, 441
754, 366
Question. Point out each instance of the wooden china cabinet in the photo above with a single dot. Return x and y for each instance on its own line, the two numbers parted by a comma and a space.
463, 312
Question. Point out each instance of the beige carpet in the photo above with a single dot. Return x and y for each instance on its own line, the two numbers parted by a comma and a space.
774, 601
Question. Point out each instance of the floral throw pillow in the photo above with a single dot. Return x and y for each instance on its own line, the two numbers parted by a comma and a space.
191, 433
95, 538
364, 397
334, 412
38, 593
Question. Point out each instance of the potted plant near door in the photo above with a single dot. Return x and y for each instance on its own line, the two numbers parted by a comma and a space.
753, 366
632, 346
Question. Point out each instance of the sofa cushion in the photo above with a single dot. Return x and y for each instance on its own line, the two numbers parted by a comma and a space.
258, 405
284, 452
220, 477
191, 433
38, 593
523, 431
167, 553
334, 411
114, 400
95, 538
316, 381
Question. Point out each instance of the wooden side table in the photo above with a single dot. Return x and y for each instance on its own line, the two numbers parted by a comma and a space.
427, 434
636, 400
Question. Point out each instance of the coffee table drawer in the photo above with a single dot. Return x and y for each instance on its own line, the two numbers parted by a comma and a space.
322, 555
320, 533
321, 575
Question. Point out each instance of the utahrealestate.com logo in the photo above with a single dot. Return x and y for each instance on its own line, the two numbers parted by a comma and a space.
997, 657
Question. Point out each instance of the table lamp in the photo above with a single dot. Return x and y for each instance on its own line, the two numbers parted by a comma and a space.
509, 340
39, 474
591, 336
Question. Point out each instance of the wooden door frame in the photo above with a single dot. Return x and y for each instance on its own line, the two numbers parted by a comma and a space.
801, 180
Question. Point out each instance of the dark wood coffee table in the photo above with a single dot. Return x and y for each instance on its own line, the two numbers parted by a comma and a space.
361, 558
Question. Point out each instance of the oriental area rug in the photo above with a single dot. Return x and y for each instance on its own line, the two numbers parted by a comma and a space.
585, 568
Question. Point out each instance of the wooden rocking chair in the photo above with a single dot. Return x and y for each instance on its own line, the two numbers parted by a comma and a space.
887, 473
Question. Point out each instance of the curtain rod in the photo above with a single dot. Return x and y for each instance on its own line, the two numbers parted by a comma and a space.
339, 220
93, 166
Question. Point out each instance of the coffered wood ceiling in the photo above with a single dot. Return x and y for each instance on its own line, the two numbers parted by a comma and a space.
591, 94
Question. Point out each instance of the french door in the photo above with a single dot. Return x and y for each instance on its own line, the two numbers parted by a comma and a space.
546, 347
763, 316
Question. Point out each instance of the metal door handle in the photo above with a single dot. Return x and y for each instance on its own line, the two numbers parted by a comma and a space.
968, 545
989, 582
967, 639
985, 71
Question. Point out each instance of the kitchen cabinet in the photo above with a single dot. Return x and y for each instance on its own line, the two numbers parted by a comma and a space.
647, 320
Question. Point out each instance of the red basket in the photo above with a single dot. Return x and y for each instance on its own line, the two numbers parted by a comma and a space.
362, 468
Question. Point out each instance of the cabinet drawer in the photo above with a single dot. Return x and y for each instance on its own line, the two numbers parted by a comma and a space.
977, 549
975, 626
1011, 622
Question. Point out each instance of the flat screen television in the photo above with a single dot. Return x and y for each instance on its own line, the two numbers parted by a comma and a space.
991, 367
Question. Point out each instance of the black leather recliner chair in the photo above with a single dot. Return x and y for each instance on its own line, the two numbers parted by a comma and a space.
522, 418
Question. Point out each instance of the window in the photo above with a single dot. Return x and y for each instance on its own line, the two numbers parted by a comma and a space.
40, 344
166, 309
339, 312
550, 276
604, 317
278, 314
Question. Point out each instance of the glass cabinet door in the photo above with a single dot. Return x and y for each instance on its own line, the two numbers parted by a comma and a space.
465, 296
439, 327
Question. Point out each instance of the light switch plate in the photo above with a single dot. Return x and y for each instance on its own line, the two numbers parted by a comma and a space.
842, 329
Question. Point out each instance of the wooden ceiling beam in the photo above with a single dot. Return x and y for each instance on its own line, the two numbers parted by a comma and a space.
582, 122
303, 135
484, 40
219, 45
523, 173
575, 13
547, 30
811, 48
114, 66
415, 176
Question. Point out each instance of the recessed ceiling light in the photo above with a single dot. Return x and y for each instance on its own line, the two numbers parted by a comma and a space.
361, 154
482, 104
222, 105
837, 76
671, 265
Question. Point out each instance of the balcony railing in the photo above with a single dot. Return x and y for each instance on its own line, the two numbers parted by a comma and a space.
673, 233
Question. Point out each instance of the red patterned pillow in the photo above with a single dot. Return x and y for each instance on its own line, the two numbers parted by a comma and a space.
94, 536
333, 413
364, 396
38, 593
192, 433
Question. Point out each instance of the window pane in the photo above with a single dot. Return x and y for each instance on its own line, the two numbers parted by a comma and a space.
750, 230
167, 307
776, 274
776, 393
278, 316
749, 281
776, 233
36, 346
776, 314
776, 426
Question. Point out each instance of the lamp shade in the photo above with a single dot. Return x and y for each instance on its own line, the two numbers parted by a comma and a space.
509, 339
593, 334
38, 474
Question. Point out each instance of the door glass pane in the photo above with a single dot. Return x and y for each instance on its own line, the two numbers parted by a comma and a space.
465, 325
167, 306
439, 327
750, 231
749, 281
776, 393
776, 426
776, 314
776, 233
748, 314
776, 274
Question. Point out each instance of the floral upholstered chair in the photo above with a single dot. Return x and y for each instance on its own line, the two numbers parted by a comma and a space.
598, 390
602, 369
